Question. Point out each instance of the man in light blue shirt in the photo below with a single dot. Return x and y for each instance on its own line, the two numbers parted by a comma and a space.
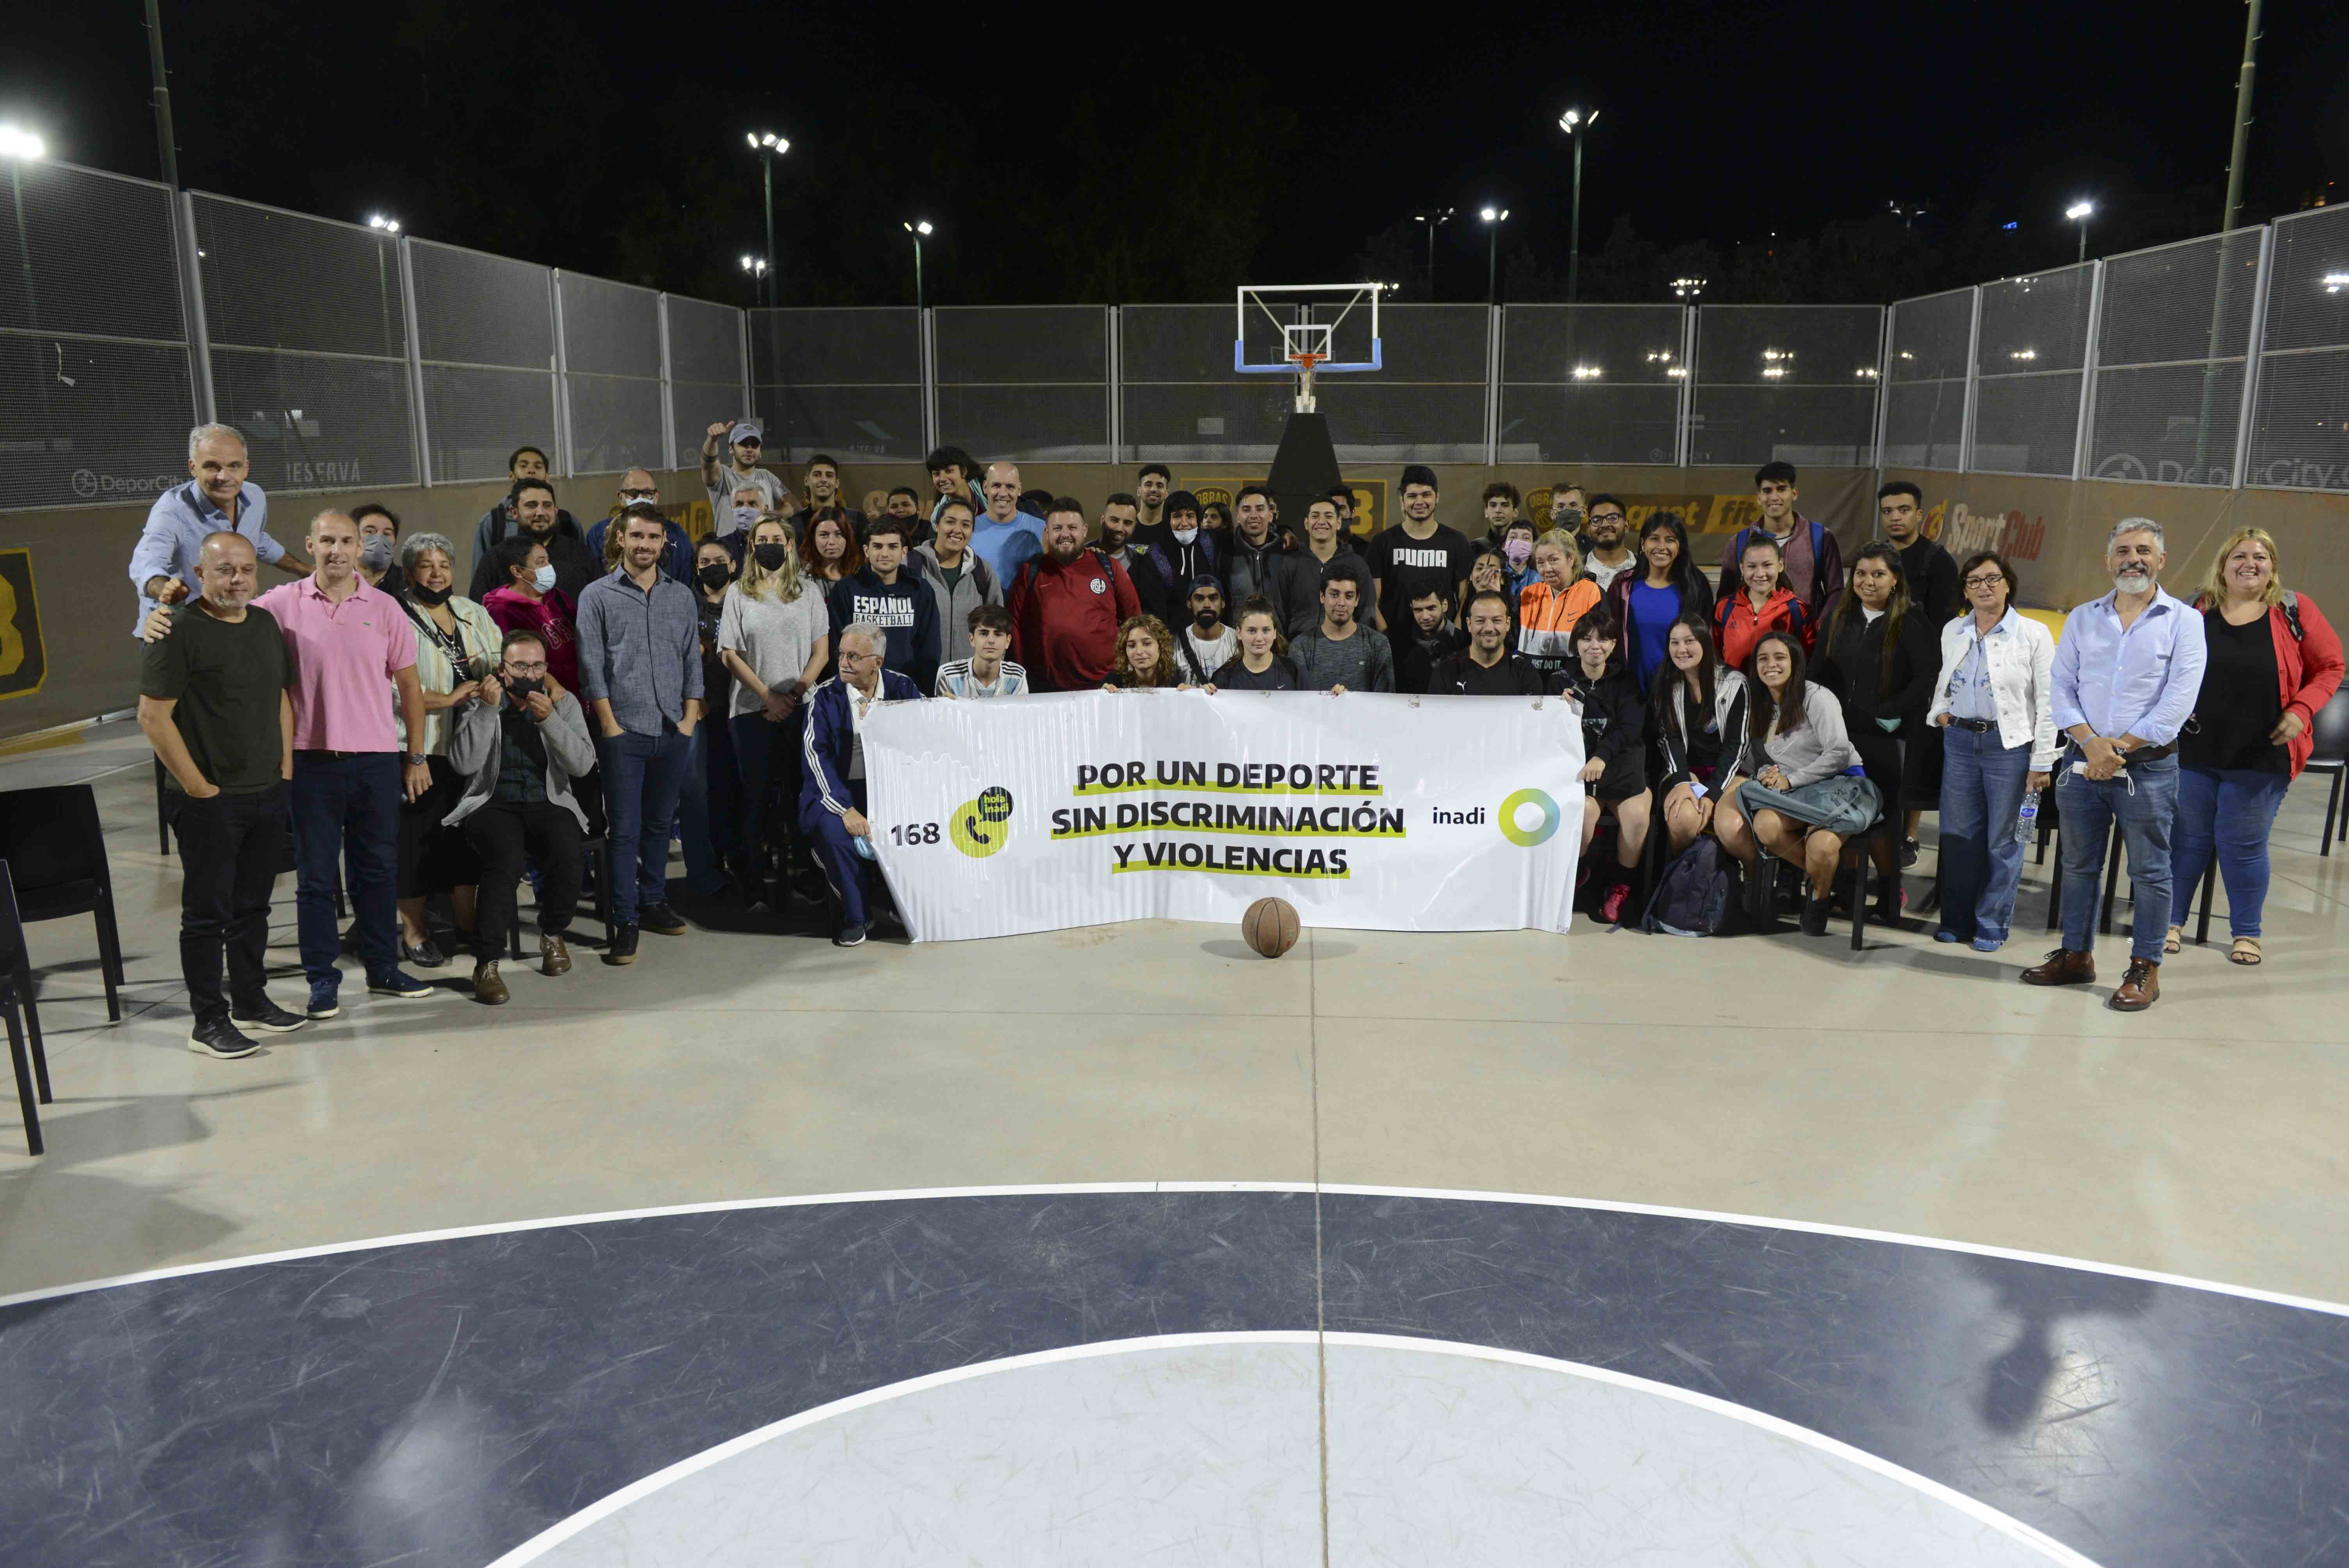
2128, 671
217, 498
1005, 538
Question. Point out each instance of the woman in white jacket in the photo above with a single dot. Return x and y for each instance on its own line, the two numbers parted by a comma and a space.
1995, 704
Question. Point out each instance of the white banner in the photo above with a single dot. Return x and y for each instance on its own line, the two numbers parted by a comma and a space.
1396, 813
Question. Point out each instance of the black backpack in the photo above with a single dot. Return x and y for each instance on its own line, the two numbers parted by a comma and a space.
1697, 895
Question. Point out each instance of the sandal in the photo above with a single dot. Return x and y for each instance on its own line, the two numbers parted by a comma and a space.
2245, 951
2174, 940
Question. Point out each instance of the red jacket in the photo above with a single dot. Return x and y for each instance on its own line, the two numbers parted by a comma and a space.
1737, 626
1064, 620
2308, 667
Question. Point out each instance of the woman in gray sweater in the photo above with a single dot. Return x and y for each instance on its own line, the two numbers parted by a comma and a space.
1798, 793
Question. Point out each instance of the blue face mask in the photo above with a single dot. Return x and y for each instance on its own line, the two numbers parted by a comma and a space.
746, 517
544, 579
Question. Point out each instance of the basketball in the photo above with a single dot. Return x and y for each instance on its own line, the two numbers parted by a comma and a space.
1269, 926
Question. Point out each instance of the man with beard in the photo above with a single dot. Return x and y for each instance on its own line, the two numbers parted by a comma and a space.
1487, 666
1256, 564
1207, 644
744, 442
1933, 592
501, 522
1416, 553
1173, 562
1066, 606
1608, 554
2127, 670
1119, 516
1150, 489
1327, 547
1340, 653
1431, 637
538, 519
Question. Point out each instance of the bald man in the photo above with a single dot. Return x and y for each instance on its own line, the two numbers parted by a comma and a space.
1005, 537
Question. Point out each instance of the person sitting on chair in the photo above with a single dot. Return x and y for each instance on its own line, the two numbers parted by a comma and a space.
1799, 794
1614, 745
1696, 715
521, 745
831, 792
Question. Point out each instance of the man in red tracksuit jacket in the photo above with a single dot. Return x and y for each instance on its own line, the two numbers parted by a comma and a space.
1066, 605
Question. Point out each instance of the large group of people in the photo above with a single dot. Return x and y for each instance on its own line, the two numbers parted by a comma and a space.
432, 751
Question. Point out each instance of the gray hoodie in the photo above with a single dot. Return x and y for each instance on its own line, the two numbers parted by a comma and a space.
978, 586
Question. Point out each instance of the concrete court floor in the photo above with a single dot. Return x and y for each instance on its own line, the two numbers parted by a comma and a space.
1915, 1088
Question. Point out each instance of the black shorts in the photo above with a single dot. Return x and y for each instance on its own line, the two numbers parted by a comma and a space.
1626, 776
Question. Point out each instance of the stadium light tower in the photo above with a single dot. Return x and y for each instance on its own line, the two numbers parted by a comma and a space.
21, 144
918, 228
1494, 218
769, 146
2080, 212
1435, 217
377, 220
1571, 121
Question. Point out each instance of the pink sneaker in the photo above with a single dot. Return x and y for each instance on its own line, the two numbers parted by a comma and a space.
1610, 908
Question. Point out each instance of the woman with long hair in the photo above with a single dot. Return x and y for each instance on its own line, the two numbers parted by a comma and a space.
1548, 606
1765, 601
456, 643
1263, 664
1668, 583
1799, 793
1696, 718
2274, 663
1879, 657
1614, 745
830, 552
1994, 703
708, 803
1145, 656
774, 635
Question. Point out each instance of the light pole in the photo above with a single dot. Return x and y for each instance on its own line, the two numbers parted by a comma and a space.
2243, 117
1688, 289
757, 267
1435, 219
769, 146
1574, 119
377, 220
165, 142
918, 228
2079, 212
1494, 218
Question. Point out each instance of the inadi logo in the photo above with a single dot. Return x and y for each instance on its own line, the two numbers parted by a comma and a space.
1444, 819
1515, 811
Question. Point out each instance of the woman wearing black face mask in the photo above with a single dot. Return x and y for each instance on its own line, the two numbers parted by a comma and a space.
709, 802
775, 635
456, 645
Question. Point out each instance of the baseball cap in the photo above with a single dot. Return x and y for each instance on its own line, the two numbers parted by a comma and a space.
747, 430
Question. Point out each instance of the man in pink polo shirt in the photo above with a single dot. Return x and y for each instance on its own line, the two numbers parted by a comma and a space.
351, 647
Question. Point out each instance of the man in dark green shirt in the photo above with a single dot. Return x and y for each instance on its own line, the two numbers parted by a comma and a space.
212, 703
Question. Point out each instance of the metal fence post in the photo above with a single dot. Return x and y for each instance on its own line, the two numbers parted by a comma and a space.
563, 453
1973, 385
1112, 325
1492, 385
1687, 445
667, 391
191, 297
929, 379
2251, 347
742, 335
418, 428
1883, 401
2080, 438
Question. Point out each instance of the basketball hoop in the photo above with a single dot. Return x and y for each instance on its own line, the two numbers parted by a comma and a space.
1309, 318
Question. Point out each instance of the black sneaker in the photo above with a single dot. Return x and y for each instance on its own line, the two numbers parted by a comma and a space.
1908, 853
849, 936
392, 983
660, 918
323, 1003
219, 1038
1815, 914
622, 947
271, 1019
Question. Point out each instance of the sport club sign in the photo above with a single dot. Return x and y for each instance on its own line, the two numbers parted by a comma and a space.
1396, 813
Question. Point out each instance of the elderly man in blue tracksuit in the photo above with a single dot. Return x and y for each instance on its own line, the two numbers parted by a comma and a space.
831, 790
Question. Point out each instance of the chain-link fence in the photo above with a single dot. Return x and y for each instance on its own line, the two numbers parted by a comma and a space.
845, 383
1592, 383
353, 357
1794, 383
2300, 437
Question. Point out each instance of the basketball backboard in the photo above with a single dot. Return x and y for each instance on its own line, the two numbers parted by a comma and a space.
1305, 329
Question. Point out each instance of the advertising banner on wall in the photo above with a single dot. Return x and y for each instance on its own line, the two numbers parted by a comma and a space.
1396, 813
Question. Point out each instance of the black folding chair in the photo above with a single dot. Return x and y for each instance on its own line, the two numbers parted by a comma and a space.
2331, 756
53, 840
16, 993
598, 851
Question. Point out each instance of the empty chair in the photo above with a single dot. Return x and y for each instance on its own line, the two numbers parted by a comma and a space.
15, 996
52, 839
2331, 756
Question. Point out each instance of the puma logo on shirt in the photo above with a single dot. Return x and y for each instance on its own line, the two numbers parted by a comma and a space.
1420, 557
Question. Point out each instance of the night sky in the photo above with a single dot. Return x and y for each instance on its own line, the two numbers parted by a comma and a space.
1109, 160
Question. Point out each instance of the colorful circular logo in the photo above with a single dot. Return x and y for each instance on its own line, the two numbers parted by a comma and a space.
1526, 839
981, 827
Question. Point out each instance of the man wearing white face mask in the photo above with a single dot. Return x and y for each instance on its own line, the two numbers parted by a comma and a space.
1186, 553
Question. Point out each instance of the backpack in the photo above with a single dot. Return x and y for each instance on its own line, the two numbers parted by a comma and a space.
1695, 894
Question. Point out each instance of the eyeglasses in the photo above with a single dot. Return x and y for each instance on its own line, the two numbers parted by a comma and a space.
525, 671
1988, 580
633, 495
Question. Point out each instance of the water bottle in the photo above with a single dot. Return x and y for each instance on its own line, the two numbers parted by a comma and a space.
2026, 820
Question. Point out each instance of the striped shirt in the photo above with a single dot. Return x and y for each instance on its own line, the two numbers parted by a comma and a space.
955, 679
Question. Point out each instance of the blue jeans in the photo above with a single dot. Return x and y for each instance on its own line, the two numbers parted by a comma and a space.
2228, 810
2089, 809
346, 804
705, 809
642, 777
1982, 860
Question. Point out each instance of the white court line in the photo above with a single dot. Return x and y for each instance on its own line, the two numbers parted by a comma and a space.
1973, 1508
1078, 1189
